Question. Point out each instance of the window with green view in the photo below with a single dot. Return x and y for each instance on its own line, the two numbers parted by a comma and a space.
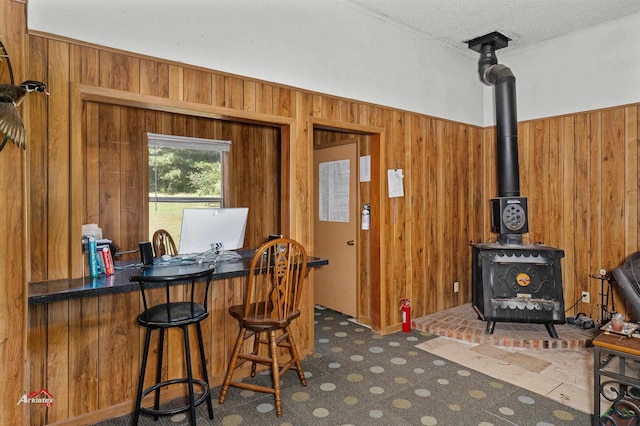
183, 172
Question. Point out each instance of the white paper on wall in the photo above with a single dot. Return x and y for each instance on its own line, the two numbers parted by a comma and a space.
334, 191
395, 177
365, 168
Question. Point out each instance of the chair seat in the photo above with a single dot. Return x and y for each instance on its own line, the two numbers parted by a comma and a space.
182, 313
258, 321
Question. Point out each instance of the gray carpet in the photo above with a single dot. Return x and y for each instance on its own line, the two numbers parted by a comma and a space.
359, 378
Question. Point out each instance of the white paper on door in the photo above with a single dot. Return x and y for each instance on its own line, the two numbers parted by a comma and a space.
334, 191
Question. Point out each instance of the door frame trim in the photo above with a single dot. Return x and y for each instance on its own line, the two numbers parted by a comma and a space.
377, 135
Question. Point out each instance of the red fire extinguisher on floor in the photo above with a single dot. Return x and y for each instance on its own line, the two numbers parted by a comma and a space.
405, 308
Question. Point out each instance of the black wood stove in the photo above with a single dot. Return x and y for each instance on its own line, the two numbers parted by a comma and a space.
518, 284
512, 282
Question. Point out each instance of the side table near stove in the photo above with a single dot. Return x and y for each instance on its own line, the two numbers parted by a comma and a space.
616, 377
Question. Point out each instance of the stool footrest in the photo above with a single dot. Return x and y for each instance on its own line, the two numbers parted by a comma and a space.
169, 412
252, 387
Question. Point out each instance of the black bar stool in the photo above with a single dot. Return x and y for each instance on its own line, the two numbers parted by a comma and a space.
173, 314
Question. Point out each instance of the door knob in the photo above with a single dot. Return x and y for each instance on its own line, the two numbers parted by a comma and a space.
351, 243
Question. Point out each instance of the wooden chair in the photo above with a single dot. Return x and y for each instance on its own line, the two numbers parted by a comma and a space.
271, 300
163, 243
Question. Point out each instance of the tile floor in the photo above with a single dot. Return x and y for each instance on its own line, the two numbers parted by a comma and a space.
519, 354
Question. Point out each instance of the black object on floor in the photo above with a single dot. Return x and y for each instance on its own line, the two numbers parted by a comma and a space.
581, 321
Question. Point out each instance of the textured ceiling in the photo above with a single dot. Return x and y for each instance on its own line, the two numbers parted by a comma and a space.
525, 22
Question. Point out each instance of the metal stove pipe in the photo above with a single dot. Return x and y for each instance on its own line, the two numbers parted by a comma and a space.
508, 210
500, 76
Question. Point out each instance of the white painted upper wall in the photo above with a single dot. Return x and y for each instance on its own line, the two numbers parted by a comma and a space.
330, 47
583, 71
323, 46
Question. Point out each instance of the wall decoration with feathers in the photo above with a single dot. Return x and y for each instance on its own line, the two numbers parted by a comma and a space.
11, 95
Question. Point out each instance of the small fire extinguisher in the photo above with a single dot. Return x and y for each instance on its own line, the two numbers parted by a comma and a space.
405, 308
366, 216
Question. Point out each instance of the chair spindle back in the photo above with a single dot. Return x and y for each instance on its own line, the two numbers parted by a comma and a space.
163, 243
276, 276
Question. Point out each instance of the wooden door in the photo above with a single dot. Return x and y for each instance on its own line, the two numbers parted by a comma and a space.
335, 227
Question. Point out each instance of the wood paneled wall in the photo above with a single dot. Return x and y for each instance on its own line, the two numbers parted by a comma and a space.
426, 232
580, 173
117, 170
448, 168
13, 277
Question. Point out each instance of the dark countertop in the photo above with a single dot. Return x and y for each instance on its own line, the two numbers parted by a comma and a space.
67, 289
